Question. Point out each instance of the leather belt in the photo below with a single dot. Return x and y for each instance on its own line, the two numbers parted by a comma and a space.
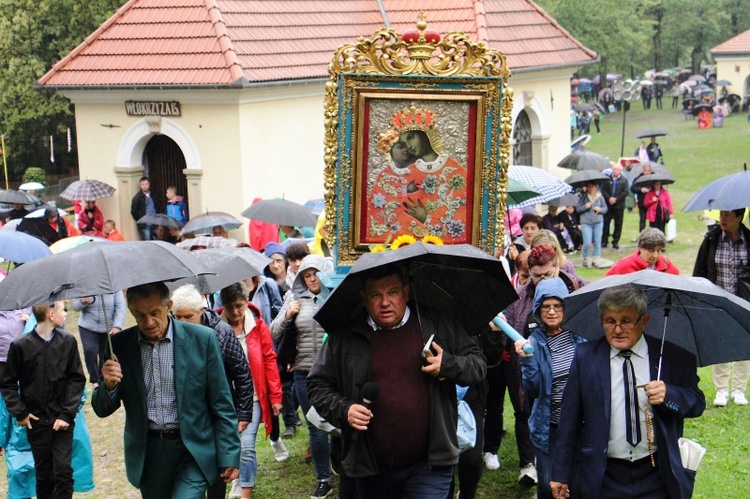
165, 434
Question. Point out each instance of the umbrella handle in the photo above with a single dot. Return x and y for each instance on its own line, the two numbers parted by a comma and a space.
106, 325
511, 333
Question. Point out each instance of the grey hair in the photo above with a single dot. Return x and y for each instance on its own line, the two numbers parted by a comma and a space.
622, 297
651, 238
187, 298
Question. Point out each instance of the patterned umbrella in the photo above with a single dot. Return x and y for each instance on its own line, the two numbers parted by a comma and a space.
206, 242
547, 185
87, 190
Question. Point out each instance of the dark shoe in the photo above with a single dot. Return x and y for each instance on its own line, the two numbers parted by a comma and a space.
604, 245
289, 432
615, 246
308, 456
324, 489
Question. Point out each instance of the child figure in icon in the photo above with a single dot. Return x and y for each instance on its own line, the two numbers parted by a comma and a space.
421, 190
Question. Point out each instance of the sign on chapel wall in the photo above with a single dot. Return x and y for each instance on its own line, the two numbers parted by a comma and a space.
152, 108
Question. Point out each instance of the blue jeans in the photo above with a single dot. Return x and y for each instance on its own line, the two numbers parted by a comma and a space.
415, 481
248, 459
318, 438
146, 232
592, 233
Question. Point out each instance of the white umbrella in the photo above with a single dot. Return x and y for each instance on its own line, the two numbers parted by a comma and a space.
546, 184
31, 186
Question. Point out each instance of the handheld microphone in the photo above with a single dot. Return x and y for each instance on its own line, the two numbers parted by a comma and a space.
370, 392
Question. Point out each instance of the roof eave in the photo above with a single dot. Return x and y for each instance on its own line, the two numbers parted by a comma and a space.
240, 83
533, 69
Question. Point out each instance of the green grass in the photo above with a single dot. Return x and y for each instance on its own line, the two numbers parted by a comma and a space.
694, 157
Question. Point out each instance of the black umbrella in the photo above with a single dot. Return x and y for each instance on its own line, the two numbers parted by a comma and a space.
584, 106
95, 269
700, 107
230, 265
702, 318
584, 161
637, 169
12, 197
280, 212
569, 199
583, 178
651, 132
648, 180
459, 279
205, 222
160, 219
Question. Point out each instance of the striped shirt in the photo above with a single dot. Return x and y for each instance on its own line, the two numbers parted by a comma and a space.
731, 256
561, 349
157, 360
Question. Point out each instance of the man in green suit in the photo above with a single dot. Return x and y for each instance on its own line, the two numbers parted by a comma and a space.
181, 428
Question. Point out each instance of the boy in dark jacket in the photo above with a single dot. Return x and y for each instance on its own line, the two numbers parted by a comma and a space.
42, 386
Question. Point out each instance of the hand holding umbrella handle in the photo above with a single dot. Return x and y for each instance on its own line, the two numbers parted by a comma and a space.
512, 334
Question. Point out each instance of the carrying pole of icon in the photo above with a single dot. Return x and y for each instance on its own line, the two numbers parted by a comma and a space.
628, 90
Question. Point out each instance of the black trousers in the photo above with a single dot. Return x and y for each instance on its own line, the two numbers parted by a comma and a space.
521, 409
493, 419
52, 451
642, 215
616, 215
632, 479
93, 351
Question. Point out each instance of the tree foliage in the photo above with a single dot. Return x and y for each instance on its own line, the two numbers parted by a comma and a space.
635, 36
34, 35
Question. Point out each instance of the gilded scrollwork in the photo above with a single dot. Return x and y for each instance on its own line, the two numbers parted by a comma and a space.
418, 65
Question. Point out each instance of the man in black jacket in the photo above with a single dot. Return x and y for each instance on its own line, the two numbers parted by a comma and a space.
615, 190
410, 447
143, 204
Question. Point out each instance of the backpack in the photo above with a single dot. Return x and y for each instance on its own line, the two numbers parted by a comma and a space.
467, 423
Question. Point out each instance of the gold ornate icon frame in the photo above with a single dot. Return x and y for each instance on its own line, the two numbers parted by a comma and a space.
452, 89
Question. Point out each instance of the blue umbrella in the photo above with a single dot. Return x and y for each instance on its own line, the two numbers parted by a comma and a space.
727, 193
691, 312
20, 247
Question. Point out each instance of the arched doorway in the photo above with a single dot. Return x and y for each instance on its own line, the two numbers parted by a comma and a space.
522, 151
164, 164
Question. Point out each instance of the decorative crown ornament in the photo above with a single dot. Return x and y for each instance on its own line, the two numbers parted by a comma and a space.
413, 118
421, 42
386, 140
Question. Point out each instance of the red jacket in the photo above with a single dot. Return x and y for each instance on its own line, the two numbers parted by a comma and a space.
96, 226
634, 263
650, 203
262, 359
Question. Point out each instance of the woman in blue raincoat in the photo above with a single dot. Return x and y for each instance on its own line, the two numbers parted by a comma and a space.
20, 462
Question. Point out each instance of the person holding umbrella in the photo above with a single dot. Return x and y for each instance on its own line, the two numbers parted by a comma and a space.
616, 190
18, 211
658, 204
91, 220
654, 151
633, 414
545, 373
143, 204
725, 251
591, 209
401, 440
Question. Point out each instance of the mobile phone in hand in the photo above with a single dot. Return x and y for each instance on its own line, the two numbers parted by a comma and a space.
427, 351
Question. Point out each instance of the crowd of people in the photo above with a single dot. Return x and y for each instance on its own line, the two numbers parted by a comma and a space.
198, 375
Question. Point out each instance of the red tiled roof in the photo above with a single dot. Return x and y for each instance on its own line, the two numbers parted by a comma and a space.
233, 42
740, 44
